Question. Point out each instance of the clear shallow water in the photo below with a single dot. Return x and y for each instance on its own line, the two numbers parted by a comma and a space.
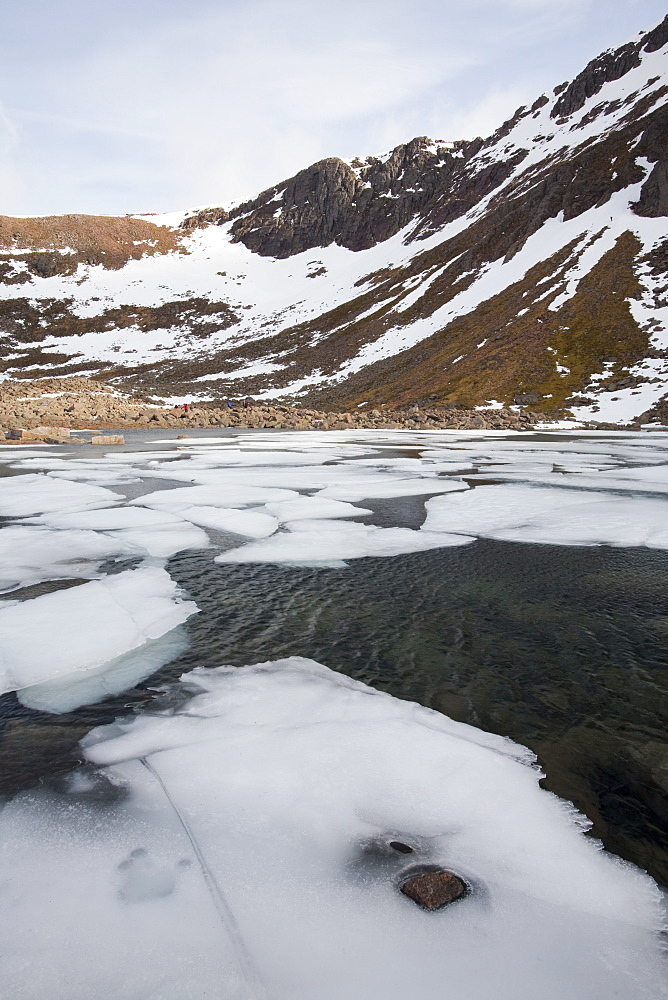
560, 648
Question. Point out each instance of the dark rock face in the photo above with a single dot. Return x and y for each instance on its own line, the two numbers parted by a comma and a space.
358, 205
656, 38
355, 205
653, 201
432, 890
607, 67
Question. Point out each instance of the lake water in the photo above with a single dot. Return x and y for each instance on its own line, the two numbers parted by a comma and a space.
562, 648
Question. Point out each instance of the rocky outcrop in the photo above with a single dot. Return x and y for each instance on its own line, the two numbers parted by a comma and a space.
355, 205
434, 889
609, 66
653, 144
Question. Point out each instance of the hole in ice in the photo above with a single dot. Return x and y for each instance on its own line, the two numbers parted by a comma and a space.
396, 845
144, 879
381, 858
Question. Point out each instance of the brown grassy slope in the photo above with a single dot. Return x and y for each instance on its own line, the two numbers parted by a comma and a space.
95, 239
522, 351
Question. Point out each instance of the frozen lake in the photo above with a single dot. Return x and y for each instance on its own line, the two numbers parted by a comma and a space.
514, 583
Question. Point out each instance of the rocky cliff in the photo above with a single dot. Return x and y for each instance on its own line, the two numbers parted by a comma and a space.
528, 268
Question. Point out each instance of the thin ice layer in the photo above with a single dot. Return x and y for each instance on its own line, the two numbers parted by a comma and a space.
223, 494
110, 518
313, 507
82, 628
386, 487
165, 540
241, 847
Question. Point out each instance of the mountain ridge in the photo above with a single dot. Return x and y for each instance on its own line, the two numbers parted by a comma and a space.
527, 268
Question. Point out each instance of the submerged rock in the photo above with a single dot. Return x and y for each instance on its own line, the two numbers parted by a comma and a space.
108, 439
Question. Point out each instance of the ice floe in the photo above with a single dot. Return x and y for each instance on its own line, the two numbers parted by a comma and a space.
242, 847
109, 518
252, 523
552, 516
223, 494
30, 555
311, 542
385, 487
313, 507
84, 627
87, 687
37, 494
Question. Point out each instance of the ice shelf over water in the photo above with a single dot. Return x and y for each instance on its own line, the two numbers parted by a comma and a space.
240, 847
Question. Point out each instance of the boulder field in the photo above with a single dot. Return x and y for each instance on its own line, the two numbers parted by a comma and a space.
49, 406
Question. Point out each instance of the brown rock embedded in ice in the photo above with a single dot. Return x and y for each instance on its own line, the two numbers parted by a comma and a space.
434, 889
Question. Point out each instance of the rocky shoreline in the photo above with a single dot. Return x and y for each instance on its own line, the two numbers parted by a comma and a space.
51, 407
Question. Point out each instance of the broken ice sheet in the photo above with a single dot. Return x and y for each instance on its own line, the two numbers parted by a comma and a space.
82, 628
251, 523
38, 494
242, 849
310, 542
313, 507
30, 555
552, 516
222, 494
383, 486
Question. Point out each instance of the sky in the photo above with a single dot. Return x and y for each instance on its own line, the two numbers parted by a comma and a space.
124, 106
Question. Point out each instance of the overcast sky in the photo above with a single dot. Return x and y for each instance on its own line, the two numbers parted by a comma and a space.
116, 106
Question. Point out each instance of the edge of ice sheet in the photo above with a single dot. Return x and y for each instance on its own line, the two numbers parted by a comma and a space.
551, 516
84, 627
120, 674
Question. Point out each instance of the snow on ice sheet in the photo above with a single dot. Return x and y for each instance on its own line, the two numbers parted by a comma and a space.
551, 516
240, 847
223, 494
84, 627
164, 540
30, 555
38, 494
313, 507
252, 523
155, 533
332, 542
110, 518
386, 487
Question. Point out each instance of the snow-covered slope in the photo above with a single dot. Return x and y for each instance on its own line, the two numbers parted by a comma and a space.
529, 267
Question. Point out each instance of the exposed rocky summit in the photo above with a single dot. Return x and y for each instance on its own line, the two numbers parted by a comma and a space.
526, 268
